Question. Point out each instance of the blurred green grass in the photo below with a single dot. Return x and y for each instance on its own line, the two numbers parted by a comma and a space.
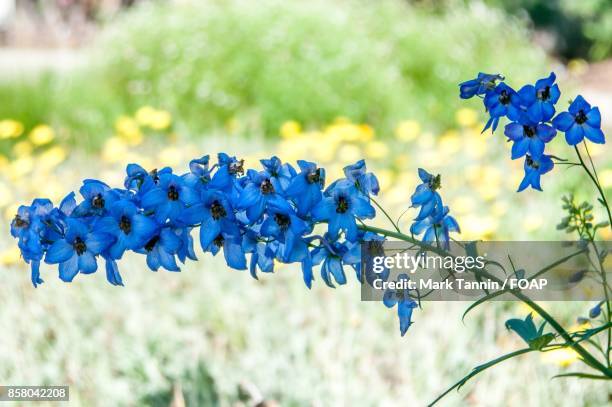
262, 63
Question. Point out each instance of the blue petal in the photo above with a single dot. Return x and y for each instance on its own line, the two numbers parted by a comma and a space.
208, 232
574, 135
69, 268
87, 263
594, 117
594, 134
520, 148
59, 252
563, 121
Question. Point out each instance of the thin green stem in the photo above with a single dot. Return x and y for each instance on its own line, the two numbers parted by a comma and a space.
602, 196
386, 215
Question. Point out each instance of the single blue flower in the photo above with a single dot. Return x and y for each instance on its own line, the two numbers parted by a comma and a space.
340, 208
280, 174
168, 197
529, 137
258, 191
479, 86
262, 252
400, 296
228, 171
426, 195
97, 196
186, 250
131, 229
305, 188
538, 101
161, 249
283, 224
595, 311
498, 103
331, 255
579, 122
357, 175
78, 249
437, 227
534, 169
200, 173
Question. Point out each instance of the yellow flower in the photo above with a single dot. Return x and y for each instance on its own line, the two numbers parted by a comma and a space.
466, 117
290, 129
3, 161
450, 142
114, 149
606, 178
10, 256
349, 153
478, 227
562, 357
407, 130
376, 150
170, 156
51, 158
129, 130
366, 133
41, 135
144, 114
10, 129
463, 204
23, 148
160, 120
20, 167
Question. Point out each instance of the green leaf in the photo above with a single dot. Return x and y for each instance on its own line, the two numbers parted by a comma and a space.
582, 376
526, 329
480, 301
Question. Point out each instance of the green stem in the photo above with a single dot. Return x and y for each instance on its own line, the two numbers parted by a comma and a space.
604, 201
586, 355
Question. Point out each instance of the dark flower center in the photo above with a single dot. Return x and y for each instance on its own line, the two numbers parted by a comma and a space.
282, 220
435, 182
151, 243
79, 246
125, 225
97, 201
153, 174
529, 131
581, 117
219, 240
504, 97
20, 223
173, 193
533, 164
237, 167
217, 210
314, 176
543, 94
342, 205
266, 187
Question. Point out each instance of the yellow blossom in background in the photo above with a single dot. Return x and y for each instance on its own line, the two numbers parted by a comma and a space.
499, 208
407, 130
577, 66
290, 129
144, 114
41, 135
426, 141
376, 150
605, 177
466, 117
385, 179
532, 222
450, 142
114, 149
11, 211
562, 357
10, 129
51, 158
23, 148
349, 153
463, 204
20, 167
478, 226
475, 145
366, 133
3, 162
10, 256
161, 120
6, 196
128, 129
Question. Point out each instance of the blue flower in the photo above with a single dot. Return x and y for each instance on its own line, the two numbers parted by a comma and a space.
225, 177
161, 249
340, 208
534, 169
529, 137
199, 174
437, 227
130, 228
400, 296
259, 190
498, 103
581, 121
539, 101
425, 194
168, 197
479, 86
112, 272
97, 198
595, 311
364, 181
78, 249
305, 188
331, 255
280, 174
284, 225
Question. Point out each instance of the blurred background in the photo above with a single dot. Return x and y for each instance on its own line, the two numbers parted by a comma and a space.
87, 86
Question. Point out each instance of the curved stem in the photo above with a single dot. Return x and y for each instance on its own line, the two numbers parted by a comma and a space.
585, 354
604, 201
386, 215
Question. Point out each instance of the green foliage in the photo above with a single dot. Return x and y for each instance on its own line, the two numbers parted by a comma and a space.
271, 61
526, 329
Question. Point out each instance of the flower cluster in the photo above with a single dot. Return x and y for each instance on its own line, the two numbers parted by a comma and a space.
269, 214
533, 124
433, 220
